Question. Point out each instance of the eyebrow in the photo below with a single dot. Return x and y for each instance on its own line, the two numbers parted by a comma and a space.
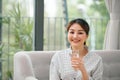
78, 30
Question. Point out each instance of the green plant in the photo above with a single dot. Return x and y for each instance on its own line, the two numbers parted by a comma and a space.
1, 48
20, 36
9, 75
21, 28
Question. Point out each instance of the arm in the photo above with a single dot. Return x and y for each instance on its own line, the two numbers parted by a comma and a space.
98, 71
54, 74
78, 64
84, 73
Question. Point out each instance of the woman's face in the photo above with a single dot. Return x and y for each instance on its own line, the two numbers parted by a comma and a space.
76, 35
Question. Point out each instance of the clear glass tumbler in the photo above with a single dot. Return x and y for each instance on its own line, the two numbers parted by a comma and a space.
75, 55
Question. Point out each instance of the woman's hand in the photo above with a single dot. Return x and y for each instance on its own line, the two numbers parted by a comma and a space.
77, 63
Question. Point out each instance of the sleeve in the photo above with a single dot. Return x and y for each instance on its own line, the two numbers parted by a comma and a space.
98, 71
54, 68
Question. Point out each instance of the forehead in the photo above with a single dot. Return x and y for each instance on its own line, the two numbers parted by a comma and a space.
75, 26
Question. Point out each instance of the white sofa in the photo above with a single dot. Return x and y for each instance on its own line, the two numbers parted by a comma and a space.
36, 64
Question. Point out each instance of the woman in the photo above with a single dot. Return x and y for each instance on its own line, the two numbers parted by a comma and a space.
87, 66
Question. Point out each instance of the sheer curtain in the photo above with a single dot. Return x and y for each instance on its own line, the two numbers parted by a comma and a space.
112, 35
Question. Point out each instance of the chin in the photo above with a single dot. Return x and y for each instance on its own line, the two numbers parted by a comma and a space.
75, 45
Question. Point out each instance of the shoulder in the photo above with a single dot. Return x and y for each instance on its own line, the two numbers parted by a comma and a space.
95, 56
60, 53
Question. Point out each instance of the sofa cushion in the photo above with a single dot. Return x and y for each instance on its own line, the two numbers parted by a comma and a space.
36, 63
111, 64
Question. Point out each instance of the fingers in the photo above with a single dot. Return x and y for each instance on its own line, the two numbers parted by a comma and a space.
76, 63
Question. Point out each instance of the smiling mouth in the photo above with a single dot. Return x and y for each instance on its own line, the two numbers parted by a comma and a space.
76, 41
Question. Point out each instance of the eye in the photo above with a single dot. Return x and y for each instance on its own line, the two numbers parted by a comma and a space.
72, 32
80, 33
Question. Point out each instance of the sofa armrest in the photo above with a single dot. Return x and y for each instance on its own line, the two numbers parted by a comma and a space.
22, 66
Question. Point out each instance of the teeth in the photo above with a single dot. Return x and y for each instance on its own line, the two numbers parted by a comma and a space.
75, 41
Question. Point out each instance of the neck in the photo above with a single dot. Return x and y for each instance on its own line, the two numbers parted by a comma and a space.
82, 50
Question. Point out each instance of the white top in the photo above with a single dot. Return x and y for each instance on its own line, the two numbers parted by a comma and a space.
60, 67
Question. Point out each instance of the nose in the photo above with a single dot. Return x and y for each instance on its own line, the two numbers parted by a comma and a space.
75, 35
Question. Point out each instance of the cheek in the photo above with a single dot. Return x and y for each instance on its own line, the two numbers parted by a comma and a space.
84, 37
81, 36
69, 37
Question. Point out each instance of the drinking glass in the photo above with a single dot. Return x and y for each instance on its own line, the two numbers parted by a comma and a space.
75, 54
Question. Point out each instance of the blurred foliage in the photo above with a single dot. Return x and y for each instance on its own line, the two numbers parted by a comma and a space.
22, 28
98, 7
19, 35
9, 75
1, 47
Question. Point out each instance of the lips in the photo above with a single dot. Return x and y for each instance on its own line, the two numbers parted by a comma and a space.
75, 41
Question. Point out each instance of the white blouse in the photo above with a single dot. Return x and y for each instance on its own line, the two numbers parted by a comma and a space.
61, 69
